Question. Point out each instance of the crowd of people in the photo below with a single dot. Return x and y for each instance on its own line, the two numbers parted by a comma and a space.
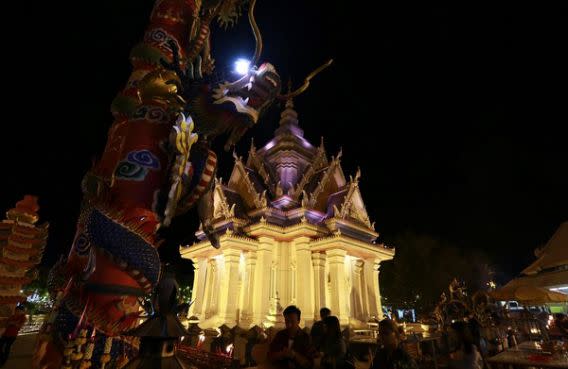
292, 347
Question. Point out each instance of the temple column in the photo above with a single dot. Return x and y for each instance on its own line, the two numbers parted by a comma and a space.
358, 284
262, 282
210, 272
304, 281
249, 293
339, 299
318, 263
376, 269
371, 268
229, 287
198, 290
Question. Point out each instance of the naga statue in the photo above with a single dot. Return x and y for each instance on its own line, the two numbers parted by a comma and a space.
157, 165
456, 307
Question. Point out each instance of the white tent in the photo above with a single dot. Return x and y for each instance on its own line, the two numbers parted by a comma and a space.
554, 255
549, 271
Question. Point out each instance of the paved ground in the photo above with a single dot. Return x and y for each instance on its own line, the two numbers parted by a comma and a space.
21, 354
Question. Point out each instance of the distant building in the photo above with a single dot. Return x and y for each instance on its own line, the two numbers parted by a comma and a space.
294, 231
21, 247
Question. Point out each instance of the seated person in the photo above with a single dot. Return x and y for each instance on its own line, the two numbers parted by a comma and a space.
291, 347
391, 354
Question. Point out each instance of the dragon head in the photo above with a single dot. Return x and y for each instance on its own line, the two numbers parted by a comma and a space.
251, 94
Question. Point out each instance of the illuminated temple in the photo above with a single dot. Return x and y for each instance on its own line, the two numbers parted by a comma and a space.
294, 230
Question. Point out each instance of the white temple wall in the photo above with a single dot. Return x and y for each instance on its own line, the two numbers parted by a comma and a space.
238, 287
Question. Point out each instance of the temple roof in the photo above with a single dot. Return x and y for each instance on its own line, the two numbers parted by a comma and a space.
287, 180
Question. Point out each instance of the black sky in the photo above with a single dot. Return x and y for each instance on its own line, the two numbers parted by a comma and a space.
455, 114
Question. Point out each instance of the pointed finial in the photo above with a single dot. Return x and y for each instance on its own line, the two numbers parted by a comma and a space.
289, 101
289, 104
358, 174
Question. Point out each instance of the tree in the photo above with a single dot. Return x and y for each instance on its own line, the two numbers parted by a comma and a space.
424, 266
38, 301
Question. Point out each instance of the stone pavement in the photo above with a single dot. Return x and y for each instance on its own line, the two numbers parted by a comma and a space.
21, 353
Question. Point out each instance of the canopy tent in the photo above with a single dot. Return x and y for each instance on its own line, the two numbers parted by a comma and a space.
553, 255
528, 295
549, 279
550, 270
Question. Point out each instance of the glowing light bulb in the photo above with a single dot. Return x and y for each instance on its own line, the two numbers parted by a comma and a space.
229, 348
242, 66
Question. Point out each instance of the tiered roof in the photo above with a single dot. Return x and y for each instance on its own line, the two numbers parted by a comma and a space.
289, 181
21, 247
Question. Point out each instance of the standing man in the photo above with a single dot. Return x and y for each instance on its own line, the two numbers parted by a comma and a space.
318, 329
291, 347
13, 326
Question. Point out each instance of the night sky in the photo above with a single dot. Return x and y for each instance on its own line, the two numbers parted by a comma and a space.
455, 115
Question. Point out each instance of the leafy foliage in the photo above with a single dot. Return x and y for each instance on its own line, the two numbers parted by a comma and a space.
424, 266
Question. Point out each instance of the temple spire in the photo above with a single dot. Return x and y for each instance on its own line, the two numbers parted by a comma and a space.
289, 119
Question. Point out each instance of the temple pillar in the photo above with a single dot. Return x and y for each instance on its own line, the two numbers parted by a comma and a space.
249, 292
318, 263
371, 269
339, 299
376, 269
208, 308
304, 280
228, 289
360, 312
198, 292
262, 281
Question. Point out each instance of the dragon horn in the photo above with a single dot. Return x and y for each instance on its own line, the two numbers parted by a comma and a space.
304, 87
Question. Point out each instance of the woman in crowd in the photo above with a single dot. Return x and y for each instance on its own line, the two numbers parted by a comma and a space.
334, 347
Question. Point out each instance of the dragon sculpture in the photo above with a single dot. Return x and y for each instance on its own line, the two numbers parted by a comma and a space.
157, 164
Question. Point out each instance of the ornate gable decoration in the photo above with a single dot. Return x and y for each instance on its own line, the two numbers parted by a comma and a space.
256, 163
353, 206
242, 184
222, 209
333, 179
